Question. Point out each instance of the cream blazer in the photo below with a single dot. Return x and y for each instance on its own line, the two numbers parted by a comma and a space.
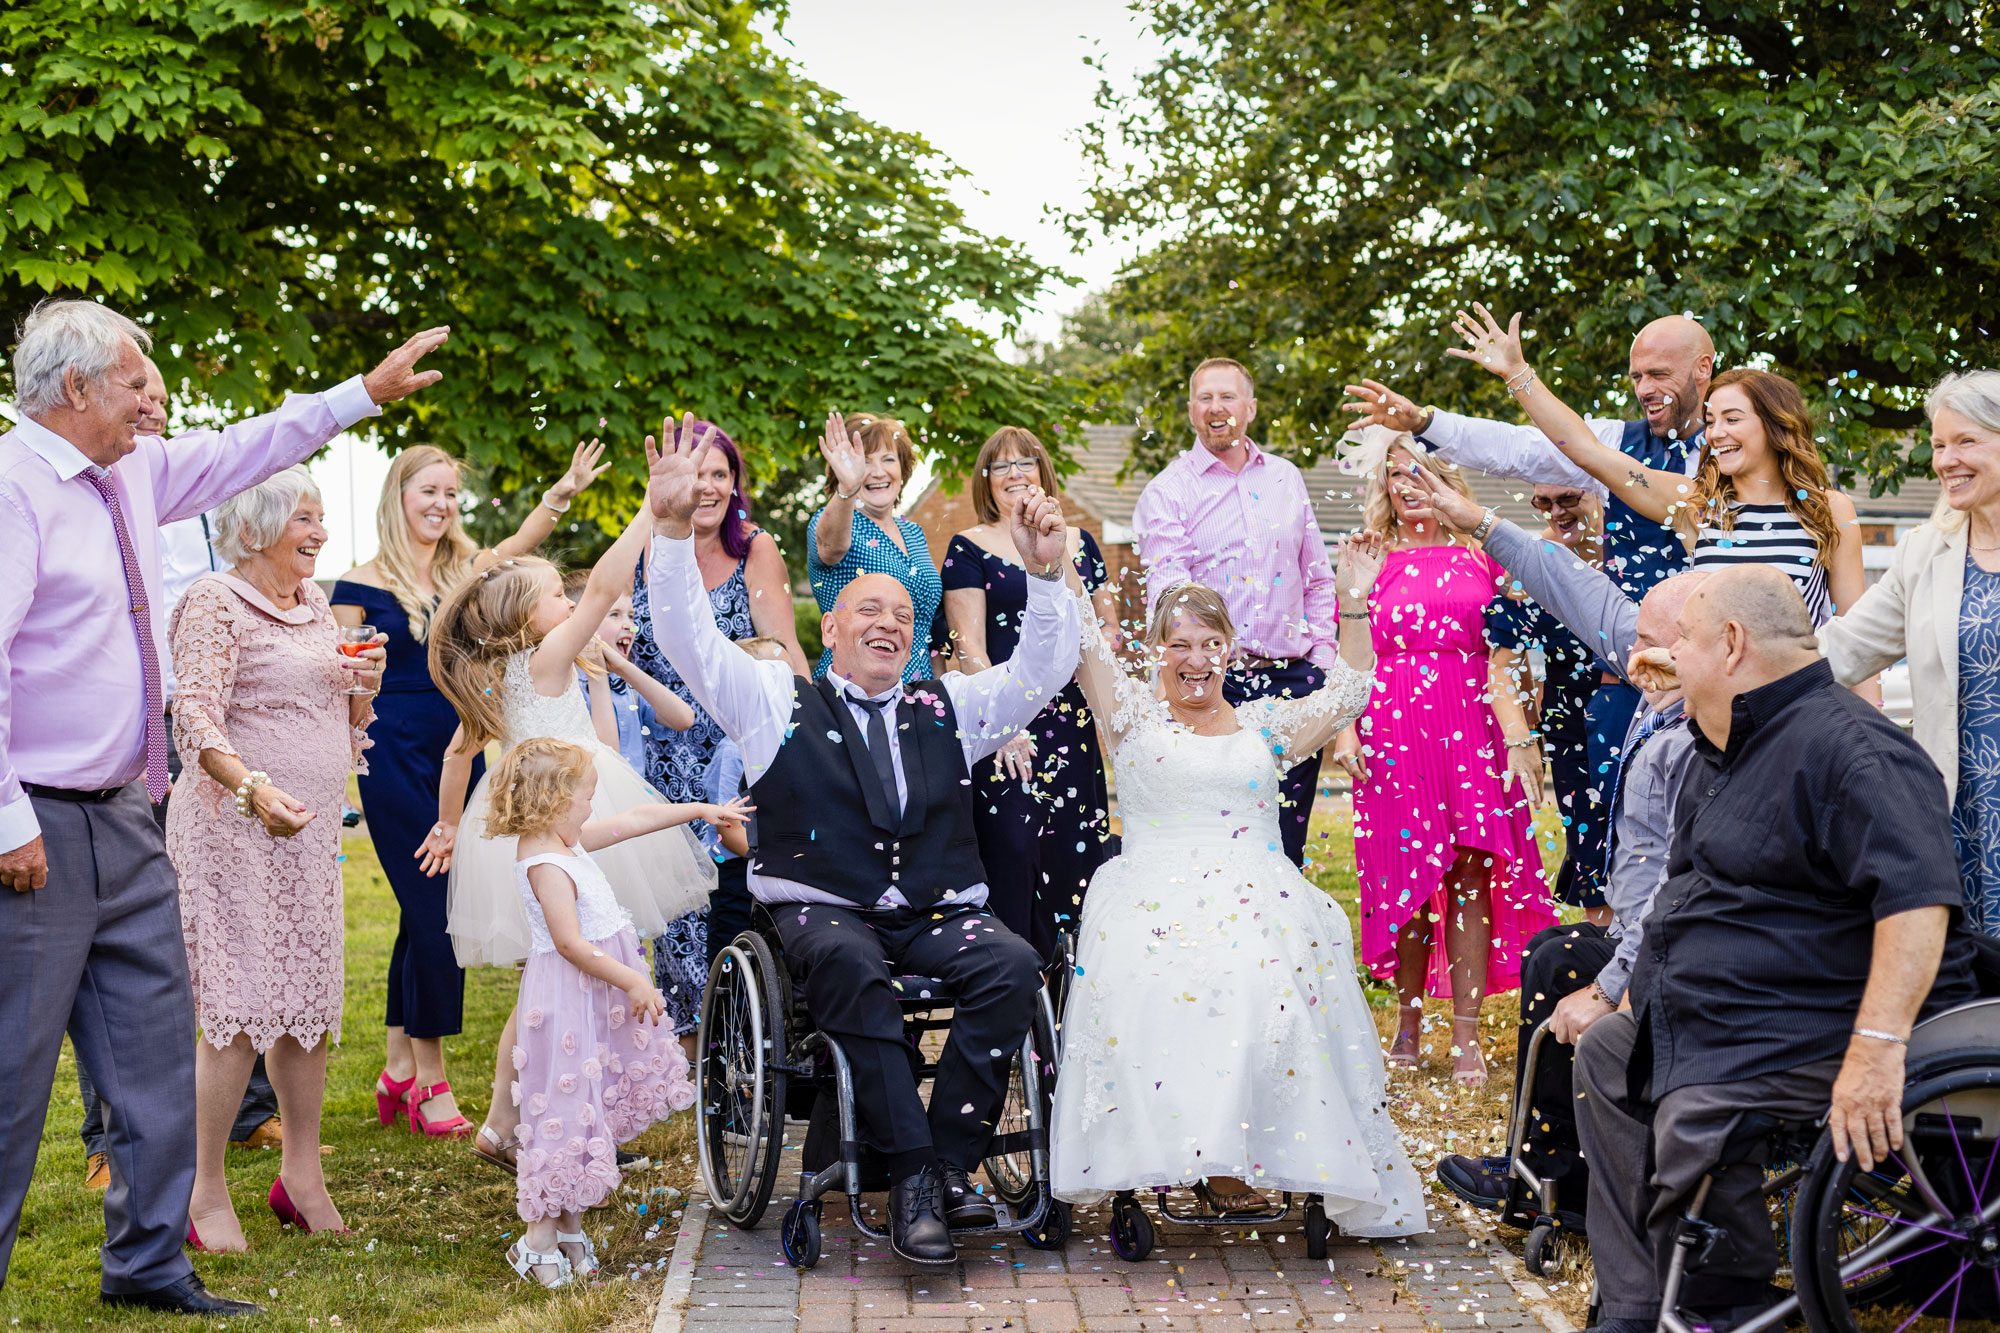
1912, 611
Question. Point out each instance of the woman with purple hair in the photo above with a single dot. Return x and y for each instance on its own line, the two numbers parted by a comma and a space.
750, 592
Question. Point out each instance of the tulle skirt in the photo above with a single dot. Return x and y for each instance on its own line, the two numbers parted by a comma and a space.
587, 1077
656, 878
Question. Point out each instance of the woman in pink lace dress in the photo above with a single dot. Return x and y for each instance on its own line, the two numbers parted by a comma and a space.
268, 732
1445, 770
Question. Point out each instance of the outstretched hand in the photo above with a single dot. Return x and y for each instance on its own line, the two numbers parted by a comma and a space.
398, 376
1495, 348
1040, 534
843, 455
1458, 513
1361, 560
673, 473
583, 469
1376, 404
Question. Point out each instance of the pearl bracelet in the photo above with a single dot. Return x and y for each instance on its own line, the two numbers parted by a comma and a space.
251, 781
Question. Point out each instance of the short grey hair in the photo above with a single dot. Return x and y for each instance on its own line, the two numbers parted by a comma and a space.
251, 520
1973, 394
59, 336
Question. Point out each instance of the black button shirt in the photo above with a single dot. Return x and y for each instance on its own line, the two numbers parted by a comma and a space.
1820, 819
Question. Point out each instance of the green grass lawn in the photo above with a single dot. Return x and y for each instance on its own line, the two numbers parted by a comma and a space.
430, 1222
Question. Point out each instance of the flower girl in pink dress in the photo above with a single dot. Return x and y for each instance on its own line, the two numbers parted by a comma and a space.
591, 1068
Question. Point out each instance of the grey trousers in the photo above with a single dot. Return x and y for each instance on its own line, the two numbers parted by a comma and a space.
1647, 1159
98, 953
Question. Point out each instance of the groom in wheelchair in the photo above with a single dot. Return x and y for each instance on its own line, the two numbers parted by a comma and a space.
1810, 918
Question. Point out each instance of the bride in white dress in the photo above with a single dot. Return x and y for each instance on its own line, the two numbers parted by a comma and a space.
1216, 1033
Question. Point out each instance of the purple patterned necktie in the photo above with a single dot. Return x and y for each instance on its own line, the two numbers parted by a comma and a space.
142, 625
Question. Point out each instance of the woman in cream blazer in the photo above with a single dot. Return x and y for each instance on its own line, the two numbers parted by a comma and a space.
1918, 610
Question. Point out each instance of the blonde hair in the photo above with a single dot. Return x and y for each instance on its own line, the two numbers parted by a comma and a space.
762, 646
1025, 445
1249, 385
396, 554
1199, 601
1378, 511
533, 785
482, 623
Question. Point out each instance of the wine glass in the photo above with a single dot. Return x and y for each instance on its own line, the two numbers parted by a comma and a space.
354, 641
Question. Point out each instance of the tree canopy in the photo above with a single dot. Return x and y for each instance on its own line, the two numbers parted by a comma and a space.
623, 209
1818, 182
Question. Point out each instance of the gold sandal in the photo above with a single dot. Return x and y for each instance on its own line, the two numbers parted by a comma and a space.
501, 1156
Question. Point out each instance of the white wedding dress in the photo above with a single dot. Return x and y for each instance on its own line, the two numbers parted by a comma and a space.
1215, 1025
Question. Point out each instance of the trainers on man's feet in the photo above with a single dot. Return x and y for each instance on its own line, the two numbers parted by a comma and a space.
1480, 1181
97, 1172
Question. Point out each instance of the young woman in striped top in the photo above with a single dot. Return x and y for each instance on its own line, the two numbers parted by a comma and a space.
1761, 494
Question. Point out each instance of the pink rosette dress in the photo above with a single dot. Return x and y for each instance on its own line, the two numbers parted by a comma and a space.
587, 1076
1435, 754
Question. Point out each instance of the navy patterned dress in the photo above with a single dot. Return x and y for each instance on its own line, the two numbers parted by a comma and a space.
872, 551
677, 766
1975, 815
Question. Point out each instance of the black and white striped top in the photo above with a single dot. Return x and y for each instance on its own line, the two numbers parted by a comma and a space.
1769, 535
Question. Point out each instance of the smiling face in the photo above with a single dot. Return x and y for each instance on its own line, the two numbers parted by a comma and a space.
1193, 656
294, 555
1220, 408
1736, 435
1407, 500
618, 627
1672, 360
1966, 457
552, 609
1012, 474
1573, 512
882, 484
714, 485
102, 417
869, 631
153, 420
430, 503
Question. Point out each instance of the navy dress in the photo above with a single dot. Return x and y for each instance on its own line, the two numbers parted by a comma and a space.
677, 766
1975, 815
1041, 841
413, 727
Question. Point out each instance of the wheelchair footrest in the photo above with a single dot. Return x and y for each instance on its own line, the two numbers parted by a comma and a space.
1699, 1239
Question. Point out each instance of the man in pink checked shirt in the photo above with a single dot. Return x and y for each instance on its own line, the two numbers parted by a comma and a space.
1236, 519
90, 939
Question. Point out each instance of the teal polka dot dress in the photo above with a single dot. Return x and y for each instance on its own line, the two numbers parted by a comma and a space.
870, 550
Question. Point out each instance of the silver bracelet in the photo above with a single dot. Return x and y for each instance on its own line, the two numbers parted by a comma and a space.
550, 505
1522, 382
1876, 1034
1532, 738
1486, 523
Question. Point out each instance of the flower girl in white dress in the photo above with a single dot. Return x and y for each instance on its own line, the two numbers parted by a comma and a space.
1216, 1033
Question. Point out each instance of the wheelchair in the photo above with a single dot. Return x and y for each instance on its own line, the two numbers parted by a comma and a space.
1536, 1203
1921, 1232
1132, 1236
760, 1062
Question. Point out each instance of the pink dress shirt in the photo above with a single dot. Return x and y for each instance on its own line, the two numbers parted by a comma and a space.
71, 700
1250, 536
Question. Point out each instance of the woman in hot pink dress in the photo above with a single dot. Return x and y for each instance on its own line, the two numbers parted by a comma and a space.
1446, 771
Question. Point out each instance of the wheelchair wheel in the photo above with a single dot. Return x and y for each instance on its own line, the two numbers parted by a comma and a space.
1013, 1173
1131, 1229
740, 1047
1318, 1230
1923, 1228
799, 1236
1539, 1253
1053, 1233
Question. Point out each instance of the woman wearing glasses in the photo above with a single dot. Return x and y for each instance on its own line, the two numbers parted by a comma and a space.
1038, 804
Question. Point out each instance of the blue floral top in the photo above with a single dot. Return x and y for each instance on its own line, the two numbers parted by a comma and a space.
1975, 816
870, 550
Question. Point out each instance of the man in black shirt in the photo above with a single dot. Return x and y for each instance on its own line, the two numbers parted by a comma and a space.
1808, 920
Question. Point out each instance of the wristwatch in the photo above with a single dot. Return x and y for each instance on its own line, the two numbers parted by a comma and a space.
1486, 522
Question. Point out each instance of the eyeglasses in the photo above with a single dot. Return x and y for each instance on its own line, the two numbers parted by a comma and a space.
1567, 500
1013, 465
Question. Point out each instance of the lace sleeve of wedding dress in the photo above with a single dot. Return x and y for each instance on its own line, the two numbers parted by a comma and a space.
1112, 692
1300, 728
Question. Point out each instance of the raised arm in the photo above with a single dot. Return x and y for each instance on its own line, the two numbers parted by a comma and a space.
555, 656
1496, 448
833, 529
541, 520
1653, 492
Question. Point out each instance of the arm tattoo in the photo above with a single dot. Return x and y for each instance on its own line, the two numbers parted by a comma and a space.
1639, 478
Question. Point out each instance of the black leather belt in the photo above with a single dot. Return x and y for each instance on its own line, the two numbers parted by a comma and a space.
70, 794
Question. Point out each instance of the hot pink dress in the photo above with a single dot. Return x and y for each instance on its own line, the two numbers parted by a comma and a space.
261, 916
1435, 754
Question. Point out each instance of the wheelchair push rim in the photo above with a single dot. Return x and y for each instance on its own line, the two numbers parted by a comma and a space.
739, 1046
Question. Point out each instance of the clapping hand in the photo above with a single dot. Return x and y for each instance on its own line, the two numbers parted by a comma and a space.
844, 456
398, 376
1040, 534
1495, 348
1360, 564
1376, 404
583, 469
673, 473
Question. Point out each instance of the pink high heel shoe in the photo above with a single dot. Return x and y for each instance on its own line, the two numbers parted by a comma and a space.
389, 1098
458, 1127
288, 1212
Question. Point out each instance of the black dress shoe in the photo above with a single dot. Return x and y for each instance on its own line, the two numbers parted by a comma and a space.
965, 1207
1480, 1181
917, 1229
186, 1296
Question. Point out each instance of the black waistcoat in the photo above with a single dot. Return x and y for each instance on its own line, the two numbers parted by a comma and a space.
824, 821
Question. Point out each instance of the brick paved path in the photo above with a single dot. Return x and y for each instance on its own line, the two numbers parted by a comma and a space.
1196, 1279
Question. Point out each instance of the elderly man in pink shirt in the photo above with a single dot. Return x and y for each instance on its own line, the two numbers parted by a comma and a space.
90, 939
1230, 516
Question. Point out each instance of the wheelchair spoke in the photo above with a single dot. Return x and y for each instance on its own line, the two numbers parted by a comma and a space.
1888, 1264
1958, 1145
1906, 1222
1953, 1281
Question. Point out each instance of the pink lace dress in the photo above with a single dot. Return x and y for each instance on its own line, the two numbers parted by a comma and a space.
261, 916
587, 1075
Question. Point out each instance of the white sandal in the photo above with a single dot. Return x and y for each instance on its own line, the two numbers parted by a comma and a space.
525, 1261
588, 1269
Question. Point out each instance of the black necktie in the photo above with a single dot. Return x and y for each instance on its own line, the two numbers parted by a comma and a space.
878, 748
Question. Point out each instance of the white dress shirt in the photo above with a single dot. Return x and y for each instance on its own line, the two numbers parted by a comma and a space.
752, 699
1521, 452
187, 551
